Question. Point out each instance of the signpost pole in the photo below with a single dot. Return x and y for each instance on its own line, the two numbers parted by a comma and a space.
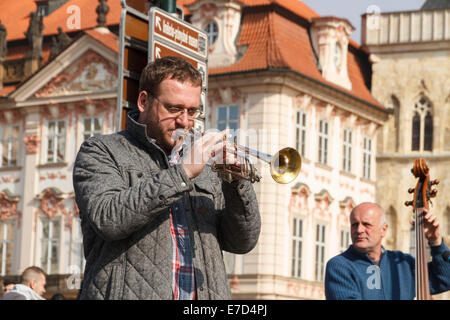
169, 5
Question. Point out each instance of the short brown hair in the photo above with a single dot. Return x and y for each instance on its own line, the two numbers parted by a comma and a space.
31, 273
167, 68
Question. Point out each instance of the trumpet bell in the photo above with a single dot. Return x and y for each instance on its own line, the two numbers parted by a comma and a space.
285, 165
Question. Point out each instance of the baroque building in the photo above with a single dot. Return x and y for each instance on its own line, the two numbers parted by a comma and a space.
285, 76
58, 86
410, 52
278, 72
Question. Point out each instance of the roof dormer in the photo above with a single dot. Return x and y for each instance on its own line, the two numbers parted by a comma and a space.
221, 20
330, 41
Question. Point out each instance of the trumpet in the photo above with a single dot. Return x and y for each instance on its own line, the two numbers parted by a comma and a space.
285, 165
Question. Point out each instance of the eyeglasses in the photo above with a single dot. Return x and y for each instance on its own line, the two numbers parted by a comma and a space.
178, 111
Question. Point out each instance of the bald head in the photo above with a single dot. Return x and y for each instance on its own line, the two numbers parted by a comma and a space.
370, 206
35, 278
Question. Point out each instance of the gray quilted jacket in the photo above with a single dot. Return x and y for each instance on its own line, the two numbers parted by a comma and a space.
124, 187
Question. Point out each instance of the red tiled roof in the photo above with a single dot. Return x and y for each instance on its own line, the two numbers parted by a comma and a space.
107, 38
296, 6
15, 15
275, 41
6, 90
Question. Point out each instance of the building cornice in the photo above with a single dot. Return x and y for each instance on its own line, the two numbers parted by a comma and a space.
301, 82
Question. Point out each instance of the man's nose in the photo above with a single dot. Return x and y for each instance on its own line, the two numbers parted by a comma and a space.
183, 119
360, 228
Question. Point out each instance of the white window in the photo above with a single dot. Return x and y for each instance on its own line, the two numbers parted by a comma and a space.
6, 246
344, 240
213, 32
50, 240
10, 144
92, 127
297, 247
300, 133
228, 117
56, 141
323, 141
367, 157
347, 151
78, 250
320, 252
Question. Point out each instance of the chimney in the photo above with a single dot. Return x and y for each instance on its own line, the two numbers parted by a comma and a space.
3, 43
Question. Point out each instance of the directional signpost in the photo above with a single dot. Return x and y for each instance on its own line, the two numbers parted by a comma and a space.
170, 36
148, 35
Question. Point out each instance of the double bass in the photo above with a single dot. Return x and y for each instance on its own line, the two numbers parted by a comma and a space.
422, 194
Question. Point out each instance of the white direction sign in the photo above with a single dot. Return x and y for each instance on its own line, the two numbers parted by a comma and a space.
178, 32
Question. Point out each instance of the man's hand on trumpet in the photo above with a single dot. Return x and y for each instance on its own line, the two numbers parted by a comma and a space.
212, 147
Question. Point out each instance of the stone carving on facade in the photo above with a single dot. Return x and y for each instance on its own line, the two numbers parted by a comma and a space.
59, 43
91, 73
8, 205
32, 142
299, 199
94, 108
14, 70
51, 204
346, 207
34, 34
323, 201
10, 116
54, 111
102, 10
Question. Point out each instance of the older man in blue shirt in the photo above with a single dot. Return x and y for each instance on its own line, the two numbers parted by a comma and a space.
367, 271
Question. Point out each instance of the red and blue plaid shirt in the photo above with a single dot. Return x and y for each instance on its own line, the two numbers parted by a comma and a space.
183, 277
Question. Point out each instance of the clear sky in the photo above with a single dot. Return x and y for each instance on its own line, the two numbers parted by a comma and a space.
353, 9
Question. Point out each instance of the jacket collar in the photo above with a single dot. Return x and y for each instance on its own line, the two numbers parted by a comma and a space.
139, 132
365, 256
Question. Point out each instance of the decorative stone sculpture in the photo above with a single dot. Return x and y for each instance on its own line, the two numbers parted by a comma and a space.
102, 10
3, 40
34, 34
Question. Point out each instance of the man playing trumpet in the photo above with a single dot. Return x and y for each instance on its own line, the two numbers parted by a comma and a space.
154, 227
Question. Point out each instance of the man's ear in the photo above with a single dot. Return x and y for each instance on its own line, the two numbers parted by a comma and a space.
32, 284
384, 229
142, 101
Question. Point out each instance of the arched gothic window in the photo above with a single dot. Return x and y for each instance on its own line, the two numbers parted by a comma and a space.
422, 125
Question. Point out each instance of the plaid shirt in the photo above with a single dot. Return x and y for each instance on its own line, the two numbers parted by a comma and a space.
183, 278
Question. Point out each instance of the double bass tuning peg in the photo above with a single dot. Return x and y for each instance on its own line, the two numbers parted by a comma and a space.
408, 203
433, 193
434, 182
411, 190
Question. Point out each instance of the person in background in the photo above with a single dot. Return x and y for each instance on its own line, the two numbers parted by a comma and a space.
8, 285
367, 271
31, 286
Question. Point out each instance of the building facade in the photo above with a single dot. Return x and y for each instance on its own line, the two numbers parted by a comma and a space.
57, 89
286, 77
278, 72
411, 76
